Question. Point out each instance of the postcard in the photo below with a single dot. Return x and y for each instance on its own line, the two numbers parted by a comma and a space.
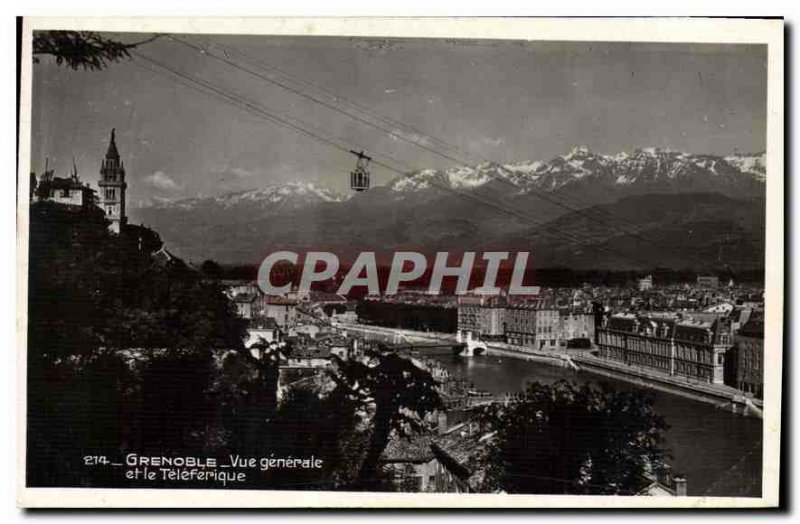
400, 263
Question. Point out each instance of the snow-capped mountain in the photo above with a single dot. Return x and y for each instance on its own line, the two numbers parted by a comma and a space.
648, 169
753, 164
292, 193
444, 208
463, 177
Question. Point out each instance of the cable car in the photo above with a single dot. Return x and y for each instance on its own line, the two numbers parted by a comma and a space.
359, 177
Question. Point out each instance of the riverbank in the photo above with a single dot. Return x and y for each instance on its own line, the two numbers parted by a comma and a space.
721, 396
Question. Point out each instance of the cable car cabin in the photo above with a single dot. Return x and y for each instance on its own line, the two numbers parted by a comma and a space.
359, 177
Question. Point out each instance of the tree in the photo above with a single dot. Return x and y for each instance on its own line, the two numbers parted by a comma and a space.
402, 395
211, 270
121, 349
82, 49
566, 439
326, 426
331, 309
262, 400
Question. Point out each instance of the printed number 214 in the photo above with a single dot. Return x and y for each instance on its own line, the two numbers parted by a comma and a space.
95, 460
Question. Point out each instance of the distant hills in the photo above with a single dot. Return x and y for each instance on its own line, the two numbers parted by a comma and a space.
583, 210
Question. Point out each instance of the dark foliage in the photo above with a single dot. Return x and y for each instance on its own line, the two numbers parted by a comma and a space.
211, 269
331, 309
127, 353
569, 439
402, 395
81, 49
121, 350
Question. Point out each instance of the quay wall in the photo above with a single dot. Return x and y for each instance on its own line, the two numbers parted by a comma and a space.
723, 397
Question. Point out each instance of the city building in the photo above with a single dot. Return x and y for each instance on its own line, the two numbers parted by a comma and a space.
710, 281
112, 187
412, 462
533, 324
283, 310
246, 305
262, 330
469, 314
575, 325
692, 349
481, 318
748, 352
310, 357
646, 283
491, 322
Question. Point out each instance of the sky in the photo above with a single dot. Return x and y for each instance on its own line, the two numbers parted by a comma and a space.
500, 101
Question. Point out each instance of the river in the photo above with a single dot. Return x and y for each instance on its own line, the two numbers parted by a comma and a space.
719, 452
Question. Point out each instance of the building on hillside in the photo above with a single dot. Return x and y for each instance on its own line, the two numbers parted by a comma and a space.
694, 350
309, 356
646, 283
310, 329
658, 486
412, 462
748, 352
246, 305
112, 186
262, 330
283, 310
69, 191
456, 450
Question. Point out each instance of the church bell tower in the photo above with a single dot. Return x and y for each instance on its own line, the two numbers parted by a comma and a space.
112, 187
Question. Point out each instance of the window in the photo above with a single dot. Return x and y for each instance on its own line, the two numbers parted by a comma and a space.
65, 193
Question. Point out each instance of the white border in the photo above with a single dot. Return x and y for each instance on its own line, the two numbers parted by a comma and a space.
695, 30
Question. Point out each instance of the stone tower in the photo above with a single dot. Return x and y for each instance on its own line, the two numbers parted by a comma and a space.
112, 187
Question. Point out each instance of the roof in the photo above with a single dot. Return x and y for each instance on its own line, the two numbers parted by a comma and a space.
244, 297
112, 153
697, 331
163, 257
654, 488
263, 323
333, 341
627, 323
310, 352
539, 303
416, 449
322, 296
754, 327
65, 183
279, 301
457, 449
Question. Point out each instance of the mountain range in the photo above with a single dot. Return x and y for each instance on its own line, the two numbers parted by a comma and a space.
642, 209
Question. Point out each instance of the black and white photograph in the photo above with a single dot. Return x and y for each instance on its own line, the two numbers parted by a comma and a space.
401, 263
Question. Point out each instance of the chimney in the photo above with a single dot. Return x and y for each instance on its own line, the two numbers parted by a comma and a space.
680, 485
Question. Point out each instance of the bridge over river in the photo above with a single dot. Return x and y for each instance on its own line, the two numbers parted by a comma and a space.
719, 452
